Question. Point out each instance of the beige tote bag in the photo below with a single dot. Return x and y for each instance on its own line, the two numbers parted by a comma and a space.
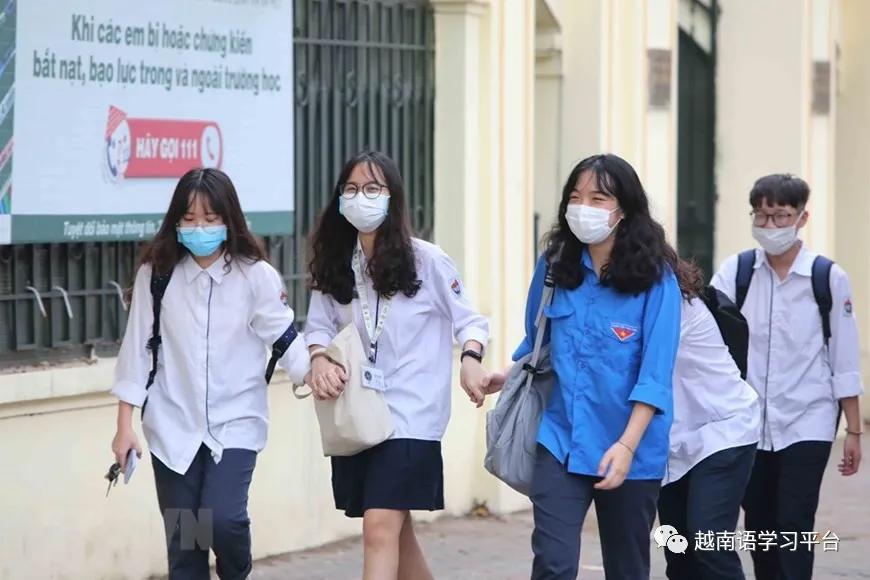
359, 418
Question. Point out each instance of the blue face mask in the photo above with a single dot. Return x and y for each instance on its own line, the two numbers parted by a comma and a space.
202, 241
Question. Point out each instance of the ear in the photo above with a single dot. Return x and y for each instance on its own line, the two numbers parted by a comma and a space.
617, 216
803, 221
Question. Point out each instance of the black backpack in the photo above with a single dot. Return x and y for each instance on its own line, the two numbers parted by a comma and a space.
732, 325
821, 280
158, 289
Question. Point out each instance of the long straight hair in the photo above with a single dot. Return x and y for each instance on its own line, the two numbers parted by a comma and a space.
165, 251
640, 253
393, 267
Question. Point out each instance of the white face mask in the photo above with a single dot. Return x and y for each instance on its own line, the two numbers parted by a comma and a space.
776, 241
365, 214
591, 225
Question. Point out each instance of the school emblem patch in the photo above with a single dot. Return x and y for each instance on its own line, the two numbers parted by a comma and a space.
622, 331
456, 287
284, 298
847, 307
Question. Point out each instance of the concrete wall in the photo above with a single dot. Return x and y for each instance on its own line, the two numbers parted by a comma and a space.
851, 219
57, 522
603, 48
762, 119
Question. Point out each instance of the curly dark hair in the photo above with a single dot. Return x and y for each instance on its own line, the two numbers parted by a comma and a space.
690, 277
392, 267
165, 251
640, 253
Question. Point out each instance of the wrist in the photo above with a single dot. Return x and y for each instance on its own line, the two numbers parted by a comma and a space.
125, 416
626, 445
470, 355
318, 353
854, 432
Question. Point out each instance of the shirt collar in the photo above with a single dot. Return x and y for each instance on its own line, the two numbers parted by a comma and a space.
192, 270
802, 265
586, 259
363, 261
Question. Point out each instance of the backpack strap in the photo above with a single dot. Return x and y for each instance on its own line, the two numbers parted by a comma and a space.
279, 347
821, 278
745, 269
158, 289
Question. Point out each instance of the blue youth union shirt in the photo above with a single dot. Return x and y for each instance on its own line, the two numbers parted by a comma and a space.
609, 350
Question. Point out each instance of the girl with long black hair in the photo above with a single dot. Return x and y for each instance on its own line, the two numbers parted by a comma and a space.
409, 305
614, 327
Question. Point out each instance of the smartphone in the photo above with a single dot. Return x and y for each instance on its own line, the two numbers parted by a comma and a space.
132, 459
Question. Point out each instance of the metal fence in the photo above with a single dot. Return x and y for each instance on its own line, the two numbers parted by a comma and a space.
364, 78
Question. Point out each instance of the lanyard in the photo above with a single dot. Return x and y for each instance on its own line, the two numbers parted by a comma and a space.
382, 308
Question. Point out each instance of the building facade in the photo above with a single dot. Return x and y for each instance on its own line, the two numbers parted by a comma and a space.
487, 105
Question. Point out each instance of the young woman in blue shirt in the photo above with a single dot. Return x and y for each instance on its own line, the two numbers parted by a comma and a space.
614, 328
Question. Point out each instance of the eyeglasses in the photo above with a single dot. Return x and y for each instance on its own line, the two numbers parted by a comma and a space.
780, 219
371, 190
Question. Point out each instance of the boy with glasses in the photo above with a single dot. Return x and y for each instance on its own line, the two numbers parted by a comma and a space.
804, 363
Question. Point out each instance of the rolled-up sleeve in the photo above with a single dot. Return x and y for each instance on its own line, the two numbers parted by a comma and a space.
468, 323
134, 358
272, 317
321, 324
661, 338
845, 354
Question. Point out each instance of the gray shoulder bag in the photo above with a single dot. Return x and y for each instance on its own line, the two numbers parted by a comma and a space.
512, 426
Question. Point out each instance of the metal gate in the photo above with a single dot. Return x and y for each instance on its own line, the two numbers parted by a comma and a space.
364, 78
696, 186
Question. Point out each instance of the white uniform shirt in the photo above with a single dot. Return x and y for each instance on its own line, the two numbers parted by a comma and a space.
798, 381
210, 385
415, 348
714, 409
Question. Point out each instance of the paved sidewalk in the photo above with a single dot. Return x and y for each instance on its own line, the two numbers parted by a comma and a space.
499, 549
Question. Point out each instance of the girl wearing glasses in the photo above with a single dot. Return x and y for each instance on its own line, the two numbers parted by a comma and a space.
409, 305
206, 415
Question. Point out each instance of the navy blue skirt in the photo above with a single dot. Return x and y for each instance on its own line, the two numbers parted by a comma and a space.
398, 474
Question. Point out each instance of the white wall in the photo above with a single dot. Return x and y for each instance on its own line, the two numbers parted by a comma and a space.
852, 180
762, 117
57, 522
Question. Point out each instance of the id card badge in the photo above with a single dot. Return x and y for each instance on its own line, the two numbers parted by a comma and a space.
373, 378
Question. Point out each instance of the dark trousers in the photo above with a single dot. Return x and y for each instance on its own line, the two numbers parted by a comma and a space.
207, 508
707, 499
782, 496
561, 499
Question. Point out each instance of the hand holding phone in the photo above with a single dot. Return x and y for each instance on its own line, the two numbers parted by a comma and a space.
132, 459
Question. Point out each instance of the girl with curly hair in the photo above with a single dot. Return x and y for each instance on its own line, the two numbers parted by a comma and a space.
614, 328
